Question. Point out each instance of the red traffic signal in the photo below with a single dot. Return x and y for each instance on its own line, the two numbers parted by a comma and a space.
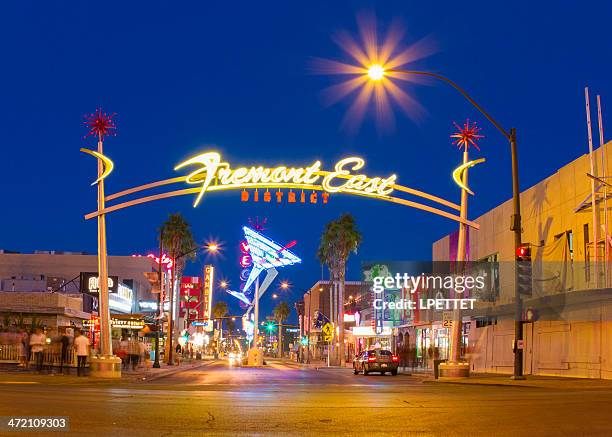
523, 251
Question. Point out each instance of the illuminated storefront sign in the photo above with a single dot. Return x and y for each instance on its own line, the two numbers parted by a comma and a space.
122, 300
207, 296
190, 295
150, 306
90, 283
368, 331
128, 323
94, 322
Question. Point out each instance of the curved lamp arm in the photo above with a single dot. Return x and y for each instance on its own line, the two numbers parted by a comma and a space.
463, 93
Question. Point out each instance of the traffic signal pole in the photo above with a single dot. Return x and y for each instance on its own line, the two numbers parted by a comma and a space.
516, 228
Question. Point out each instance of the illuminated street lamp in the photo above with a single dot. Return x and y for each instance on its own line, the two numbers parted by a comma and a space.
107, 365
516, 203
212, 248
376, 72
379, 68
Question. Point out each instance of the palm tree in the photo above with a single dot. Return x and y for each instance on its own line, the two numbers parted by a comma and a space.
231, 325
339, 239
281, 312
178, 240
219, 310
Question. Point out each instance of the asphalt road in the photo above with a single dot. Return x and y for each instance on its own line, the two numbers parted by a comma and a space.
284, 399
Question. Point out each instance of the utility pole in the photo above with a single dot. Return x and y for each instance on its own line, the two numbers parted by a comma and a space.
516, 228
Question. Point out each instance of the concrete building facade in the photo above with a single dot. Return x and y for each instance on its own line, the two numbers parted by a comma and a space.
572, 331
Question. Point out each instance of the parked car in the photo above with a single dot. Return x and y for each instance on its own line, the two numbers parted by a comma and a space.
376, 361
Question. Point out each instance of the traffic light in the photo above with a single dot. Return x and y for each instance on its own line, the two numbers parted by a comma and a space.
270, 326
523, 270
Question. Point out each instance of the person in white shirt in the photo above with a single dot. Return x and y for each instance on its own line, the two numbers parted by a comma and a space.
81, 348
37, 344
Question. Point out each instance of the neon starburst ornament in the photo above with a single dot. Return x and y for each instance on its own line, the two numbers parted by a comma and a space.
100, 124
467, 135
373, 72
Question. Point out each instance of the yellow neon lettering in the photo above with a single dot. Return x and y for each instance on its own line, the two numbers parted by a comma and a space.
217, 175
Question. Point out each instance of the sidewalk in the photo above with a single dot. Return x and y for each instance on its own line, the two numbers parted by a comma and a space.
13, 375
547, 382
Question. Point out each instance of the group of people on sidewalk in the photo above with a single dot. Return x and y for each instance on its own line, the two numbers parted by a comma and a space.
35, 349
133, 353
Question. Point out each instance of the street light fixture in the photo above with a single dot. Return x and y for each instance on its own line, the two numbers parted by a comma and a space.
376, 72
210, 248
515, 223
377, 67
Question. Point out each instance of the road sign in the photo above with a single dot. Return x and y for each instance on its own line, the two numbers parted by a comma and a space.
447, 319
328, 331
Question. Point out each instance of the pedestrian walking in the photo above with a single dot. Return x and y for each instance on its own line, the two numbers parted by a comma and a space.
81, 348
65, 344
142, 348
123, 353
178, 354
37, 346
133, 352
23, 348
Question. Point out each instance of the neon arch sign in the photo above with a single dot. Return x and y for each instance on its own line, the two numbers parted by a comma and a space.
210, 174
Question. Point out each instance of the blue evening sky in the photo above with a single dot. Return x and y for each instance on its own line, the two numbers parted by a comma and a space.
184, 77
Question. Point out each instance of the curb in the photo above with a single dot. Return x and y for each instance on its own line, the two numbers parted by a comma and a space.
494, 384
171, 372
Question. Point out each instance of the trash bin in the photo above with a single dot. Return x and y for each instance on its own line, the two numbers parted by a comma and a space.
437, 367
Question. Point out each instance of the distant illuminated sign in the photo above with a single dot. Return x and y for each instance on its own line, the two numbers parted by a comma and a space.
166, 260
266, 254
349, 317
128, 323
209, 273
368, 331
151, 306
122, 300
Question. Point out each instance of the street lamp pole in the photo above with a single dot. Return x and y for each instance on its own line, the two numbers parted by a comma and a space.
516, 204
160, 304
171, 317
105, 323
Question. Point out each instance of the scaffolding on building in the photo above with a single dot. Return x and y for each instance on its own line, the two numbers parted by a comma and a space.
599, 249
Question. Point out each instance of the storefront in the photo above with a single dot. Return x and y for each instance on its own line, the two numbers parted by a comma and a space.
365, 337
